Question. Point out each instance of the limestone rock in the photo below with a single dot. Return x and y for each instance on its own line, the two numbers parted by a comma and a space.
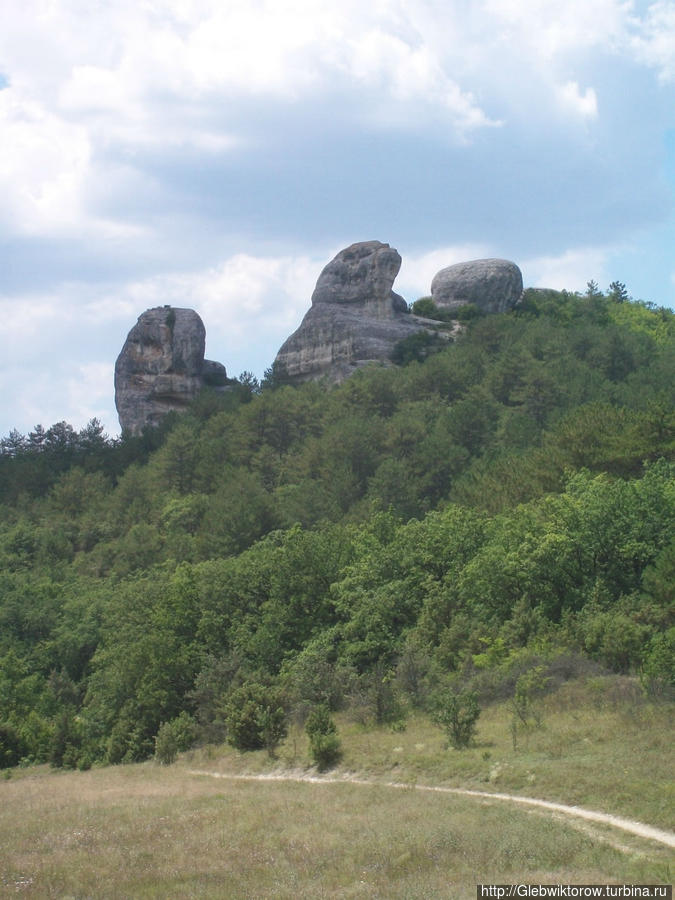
361, 276
355, 316
493, 285
161, 367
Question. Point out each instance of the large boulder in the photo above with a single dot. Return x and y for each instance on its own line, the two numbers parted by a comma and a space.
355, 317
161, 367
362, 276
493, 285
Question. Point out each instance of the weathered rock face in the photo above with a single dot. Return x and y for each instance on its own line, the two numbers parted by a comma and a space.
161, 367
362, 276
355, 316
493, 285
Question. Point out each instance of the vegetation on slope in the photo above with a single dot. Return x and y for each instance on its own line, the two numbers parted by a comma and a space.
505, 501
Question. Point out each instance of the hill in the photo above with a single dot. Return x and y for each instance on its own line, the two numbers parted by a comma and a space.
489, 508
201, 828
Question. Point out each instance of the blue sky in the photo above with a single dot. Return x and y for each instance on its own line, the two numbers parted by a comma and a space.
216, 155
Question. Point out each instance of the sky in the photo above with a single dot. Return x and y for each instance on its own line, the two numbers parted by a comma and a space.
216, 154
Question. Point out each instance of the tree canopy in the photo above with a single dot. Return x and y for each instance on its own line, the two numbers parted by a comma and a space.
511, 490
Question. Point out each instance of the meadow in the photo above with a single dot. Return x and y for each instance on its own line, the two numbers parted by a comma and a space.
150, 831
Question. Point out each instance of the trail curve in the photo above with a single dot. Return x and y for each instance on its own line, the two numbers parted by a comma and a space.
640, 829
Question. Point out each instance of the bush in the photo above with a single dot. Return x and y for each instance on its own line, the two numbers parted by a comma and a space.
468, 312
425, 307
530, 686
658, 665
174, 737
375, 696
255, 718
324, 744
457, 715
615, 639
12, 747
166, 745
416, 348
325, 750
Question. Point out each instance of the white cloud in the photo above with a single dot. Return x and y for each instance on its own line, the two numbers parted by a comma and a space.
410, 75
571, 270
417, 271
584, 105
654, 41
550, 28
88, 392
45, 172
166, 74
103, 100
43, 166
236, 292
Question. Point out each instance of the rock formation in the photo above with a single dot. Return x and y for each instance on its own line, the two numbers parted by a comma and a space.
493, 285
355, 317
161, 367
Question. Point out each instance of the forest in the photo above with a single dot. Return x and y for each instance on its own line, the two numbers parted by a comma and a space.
499, 505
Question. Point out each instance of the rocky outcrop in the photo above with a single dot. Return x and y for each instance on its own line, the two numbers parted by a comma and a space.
361, 277
355, 317
161, 367
493, 285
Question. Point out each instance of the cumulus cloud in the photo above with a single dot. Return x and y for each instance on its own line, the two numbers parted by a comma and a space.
550, 28
241, 298
42, 167
418, 270
653, 42
584, 104
571, 270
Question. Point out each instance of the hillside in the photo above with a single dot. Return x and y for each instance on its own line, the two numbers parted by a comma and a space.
198, 828
493, 507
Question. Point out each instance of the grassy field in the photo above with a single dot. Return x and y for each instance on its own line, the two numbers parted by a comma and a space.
599, 745
161, 832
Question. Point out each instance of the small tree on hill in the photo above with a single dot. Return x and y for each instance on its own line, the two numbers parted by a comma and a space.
255, 718
457, 715
324, 744
617, 292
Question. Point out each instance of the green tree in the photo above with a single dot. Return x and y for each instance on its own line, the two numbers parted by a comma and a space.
457, 714
255, 717
324, 743
617, 292
173, 737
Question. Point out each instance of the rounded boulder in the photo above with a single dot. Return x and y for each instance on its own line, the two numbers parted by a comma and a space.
492, 285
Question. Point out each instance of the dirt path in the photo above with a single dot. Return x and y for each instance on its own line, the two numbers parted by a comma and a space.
578, 812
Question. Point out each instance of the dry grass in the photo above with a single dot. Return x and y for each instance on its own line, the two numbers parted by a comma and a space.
599, 746
161, 832
146, 831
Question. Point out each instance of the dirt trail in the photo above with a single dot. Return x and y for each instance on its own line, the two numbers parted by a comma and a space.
629, 825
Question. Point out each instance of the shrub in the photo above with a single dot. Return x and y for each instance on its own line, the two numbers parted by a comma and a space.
12, 747
166, 745
173, 737
426, 307
658, 665
325, 750
468, 312
416, 347
530, 686
457, 715
324, 744
255, 718
375, 696
615, 639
